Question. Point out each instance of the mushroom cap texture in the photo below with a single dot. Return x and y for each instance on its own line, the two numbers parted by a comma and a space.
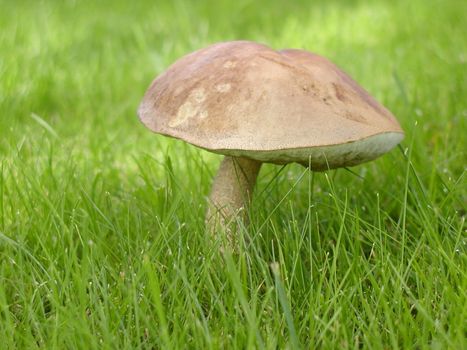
245, 99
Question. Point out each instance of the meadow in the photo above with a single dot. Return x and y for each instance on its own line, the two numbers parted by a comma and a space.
102, 236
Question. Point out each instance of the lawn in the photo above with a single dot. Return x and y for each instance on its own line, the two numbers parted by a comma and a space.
102, 238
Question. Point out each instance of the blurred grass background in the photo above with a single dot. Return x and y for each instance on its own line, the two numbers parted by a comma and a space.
102, 242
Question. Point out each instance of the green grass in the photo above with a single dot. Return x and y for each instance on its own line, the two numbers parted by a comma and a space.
102, 241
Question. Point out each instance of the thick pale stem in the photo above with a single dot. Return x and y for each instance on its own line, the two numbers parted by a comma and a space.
231, 192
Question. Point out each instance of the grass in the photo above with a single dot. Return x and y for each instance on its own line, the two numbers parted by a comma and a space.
102, 241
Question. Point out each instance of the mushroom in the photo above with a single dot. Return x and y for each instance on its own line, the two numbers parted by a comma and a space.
257, 105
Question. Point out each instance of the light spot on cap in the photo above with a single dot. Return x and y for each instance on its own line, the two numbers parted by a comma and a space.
190, 108
230, 64
186, 111
223, 88
197, 95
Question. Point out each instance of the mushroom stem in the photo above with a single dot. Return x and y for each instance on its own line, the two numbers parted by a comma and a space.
231, 192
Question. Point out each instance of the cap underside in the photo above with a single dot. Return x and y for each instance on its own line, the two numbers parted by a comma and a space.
326, 157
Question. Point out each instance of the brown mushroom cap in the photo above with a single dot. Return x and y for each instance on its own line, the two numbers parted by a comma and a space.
244, 99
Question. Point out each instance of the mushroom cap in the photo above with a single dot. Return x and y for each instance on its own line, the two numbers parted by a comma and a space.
242, 98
